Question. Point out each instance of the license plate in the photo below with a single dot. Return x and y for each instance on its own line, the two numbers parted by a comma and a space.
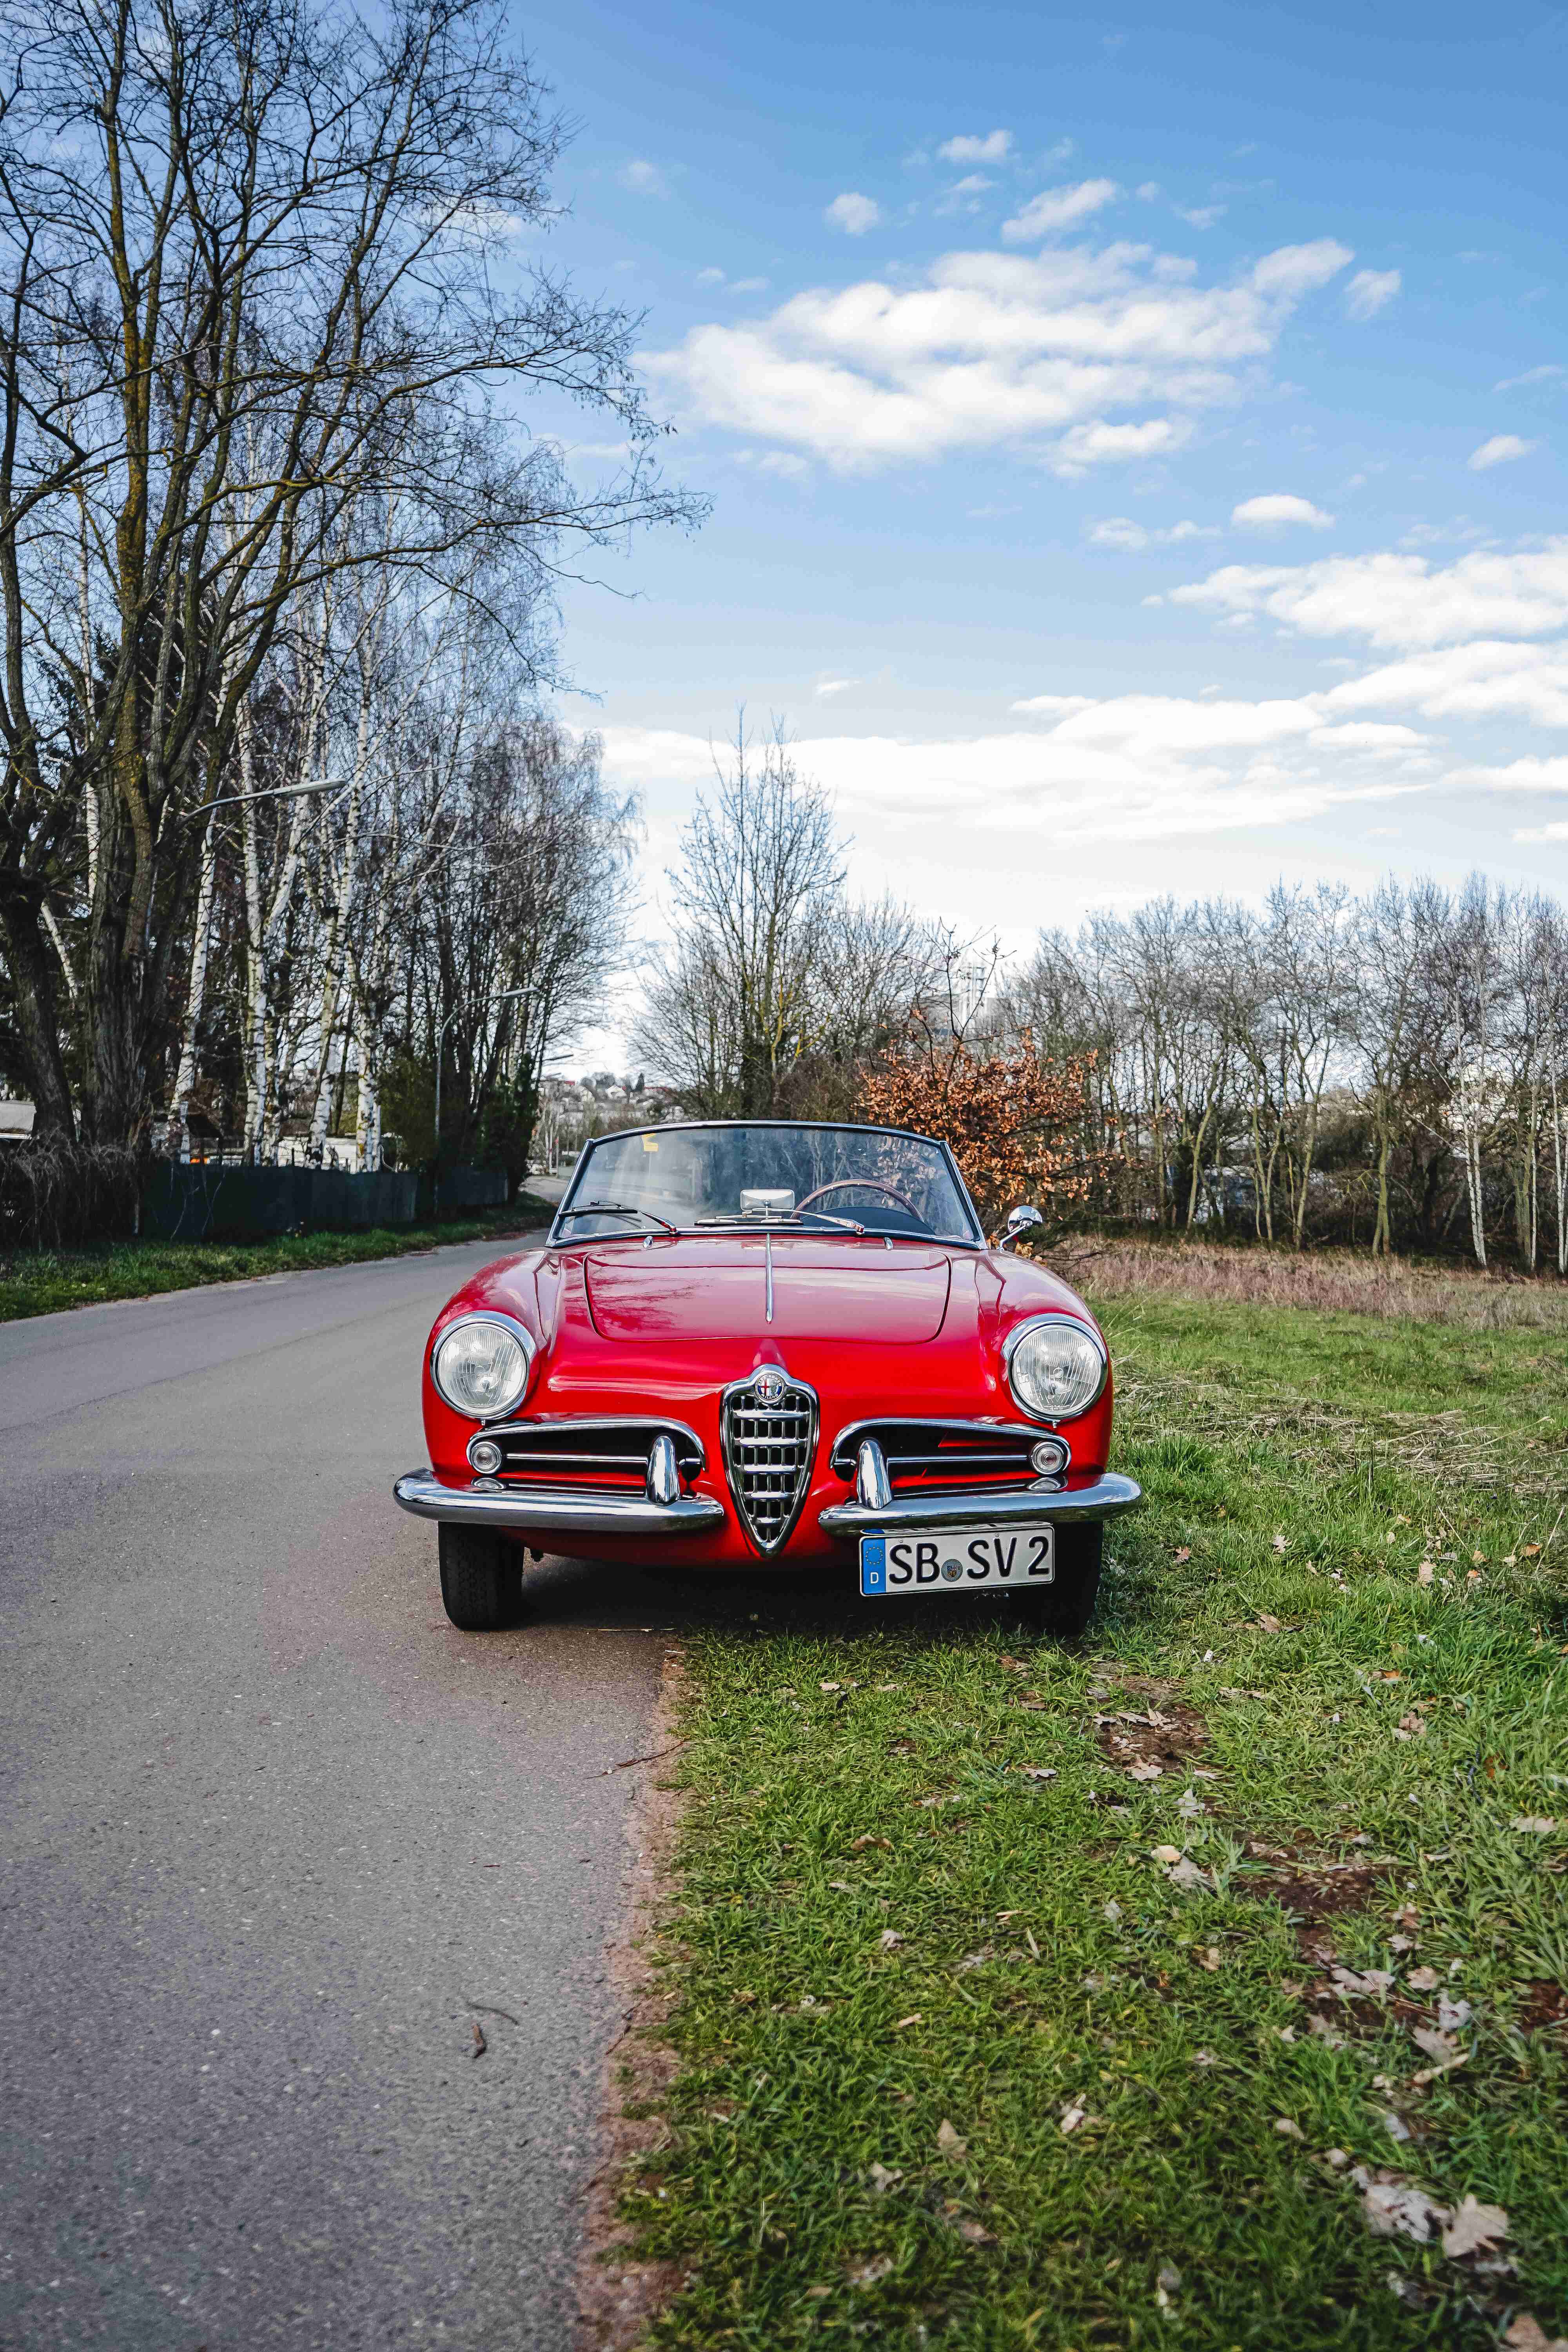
967, 1559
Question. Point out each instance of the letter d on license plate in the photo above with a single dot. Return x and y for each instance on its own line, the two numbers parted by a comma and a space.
957, 1560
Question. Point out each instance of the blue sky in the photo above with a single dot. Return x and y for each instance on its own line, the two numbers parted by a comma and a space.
1136, 441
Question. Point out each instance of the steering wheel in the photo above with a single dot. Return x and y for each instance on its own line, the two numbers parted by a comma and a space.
848, 1184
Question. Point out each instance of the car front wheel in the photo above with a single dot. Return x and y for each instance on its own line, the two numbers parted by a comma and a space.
481, 1580
1067, 1605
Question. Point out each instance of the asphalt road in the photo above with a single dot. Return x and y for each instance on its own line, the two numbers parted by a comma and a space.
273, 1830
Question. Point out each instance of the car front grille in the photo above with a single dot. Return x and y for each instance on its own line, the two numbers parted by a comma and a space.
768, 1429
604, 1457
926, 1457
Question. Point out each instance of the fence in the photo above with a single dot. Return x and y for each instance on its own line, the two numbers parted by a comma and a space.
194, 1202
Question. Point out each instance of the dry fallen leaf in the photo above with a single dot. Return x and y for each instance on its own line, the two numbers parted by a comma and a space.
1038, 1771
1189, 1804
1269, 1625
840, 1886
890, 1939
1526, 2333
914, 2018
1452, 2015
883, 2176
1397, 2208
1209, 1960
1204, 2058
1112, 1911
1286, 2130
1279, 1544
975, 2233
1441, 2046
1394, 2126
481, 2045
1167, 1853
1072, 2117
1535, 1824
1145, 1770
1183, 1552
1474, 2229
949, 2143
1423, 1980
1425, 1573
1186, 1874
869, 2273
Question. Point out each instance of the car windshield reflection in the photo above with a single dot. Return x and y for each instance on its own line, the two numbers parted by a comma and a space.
737, 1176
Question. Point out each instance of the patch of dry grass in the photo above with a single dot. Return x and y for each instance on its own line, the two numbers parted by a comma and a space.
1340, 1281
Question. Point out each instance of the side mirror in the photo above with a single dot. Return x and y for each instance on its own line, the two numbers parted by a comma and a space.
1020, 1221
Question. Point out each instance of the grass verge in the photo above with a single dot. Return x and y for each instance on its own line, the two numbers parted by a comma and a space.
41, 1281
1093, 1996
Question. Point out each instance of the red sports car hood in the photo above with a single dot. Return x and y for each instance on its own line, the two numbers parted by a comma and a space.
718, 1289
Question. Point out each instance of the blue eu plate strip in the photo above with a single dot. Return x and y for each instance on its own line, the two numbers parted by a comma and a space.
873, 1565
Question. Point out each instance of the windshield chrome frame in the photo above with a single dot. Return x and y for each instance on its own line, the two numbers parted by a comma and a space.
556, 1239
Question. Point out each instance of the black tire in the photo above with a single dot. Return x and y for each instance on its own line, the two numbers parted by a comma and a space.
481, 1580
1067, 1605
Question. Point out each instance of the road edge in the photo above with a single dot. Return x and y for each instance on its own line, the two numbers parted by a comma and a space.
617, 2294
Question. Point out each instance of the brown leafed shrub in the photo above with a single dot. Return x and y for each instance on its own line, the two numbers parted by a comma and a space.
1010, 1119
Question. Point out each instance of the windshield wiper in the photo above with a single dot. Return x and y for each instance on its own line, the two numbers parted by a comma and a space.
619, 1209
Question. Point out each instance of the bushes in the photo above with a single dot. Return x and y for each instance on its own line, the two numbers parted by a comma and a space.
57, 1195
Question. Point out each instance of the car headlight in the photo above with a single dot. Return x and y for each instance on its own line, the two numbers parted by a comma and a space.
480, 1364
1056, 1367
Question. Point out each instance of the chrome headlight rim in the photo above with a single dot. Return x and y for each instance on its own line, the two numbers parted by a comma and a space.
1079, 1329
507, 1323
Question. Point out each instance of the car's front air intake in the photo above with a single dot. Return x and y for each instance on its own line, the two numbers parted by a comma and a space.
767, 1426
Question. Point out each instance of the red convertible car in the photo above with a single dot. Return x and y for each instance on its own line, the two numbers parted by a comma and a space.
754, 1344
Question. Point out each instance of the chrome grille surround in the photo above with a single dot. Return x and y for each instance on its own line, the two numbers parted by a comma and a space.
606, 1453
767, 1430
928, 1455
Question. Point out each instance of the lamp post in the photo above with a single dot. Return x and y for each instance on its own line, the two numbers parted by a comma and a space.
504, 997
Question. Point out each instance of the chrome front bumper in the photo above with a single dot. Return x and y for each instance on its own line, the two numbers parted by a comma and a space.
556, 1511
1108, 1496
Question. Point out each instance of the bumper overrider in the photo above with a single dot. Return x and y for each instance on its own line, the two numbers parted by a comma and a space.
545, 1510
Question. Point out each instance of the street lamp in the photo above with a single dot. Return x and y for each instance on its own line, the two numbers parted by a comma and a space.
504, 997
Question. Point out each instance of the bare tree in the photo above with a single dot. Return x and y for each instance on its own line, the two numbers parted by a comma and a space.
759, 888
246, 282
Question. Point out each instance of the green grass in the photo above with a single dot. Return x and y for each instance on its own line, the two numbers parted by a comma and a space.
40, 1282
1300, 1467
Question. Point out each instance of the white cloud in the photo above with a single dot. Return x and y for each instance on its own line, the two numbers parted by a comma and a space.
1056, 208
853, 214
997, 350
1277, 508
1547, 375
1400, 602
1137, 768
1299, 270
1201, 215
643, 178
1518, 776
1100, 444
1370, 292
710, 278
1489, 679
1542, 833
964, 194
749, 286
1122, 531
1148, 192
994, 148
826, 688
1501, 450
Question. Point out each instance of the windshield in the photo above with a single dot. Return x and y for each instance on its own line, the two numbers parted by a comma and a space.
819, 1179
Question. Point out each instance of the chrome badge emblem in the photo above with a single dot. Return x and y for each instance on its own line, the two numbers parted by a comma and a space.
769, 1388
